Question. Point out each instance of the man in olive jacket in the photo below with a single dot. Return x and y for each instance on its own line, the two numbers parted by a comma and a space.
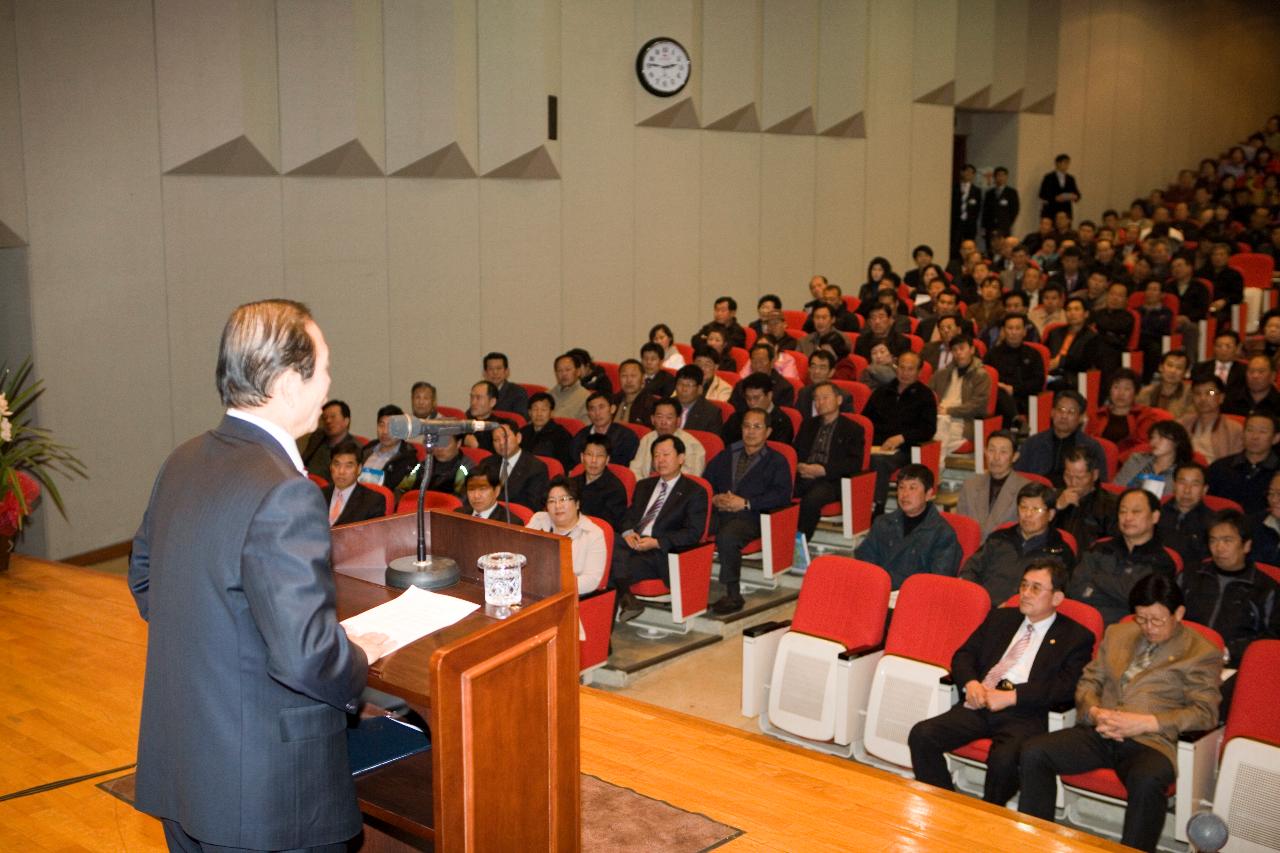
915, 538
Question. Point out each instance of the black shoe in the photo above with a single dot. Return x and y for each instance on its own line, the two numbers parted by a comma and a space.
728, 604
629, 608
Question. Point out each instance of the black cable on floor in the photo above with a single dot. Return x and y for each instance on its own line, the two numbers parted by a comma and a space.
49, 786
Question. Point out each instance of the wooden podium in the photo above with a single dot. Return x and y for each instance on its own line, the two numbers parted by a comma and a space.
501, 695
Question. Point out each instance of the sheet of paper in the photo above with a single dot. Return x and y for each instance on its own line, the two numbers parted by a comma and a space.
410, 616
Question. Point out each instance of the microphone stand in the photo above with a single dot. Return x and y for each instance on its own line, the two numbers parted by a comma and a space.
427, 572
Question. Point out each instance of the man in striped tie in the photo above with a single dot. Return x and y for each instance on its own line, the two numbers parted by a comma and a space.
668, 512
1019, 664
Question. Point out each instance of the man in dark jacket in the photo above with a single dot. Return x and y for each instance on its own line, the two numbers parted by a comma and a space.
603, 494
347, 500
1020, 664
757, 392
1019, 367
747, 478
999, 209
904, 415
1243, 477
1084, 510
387, 461
915, 538
1107, 571
999, 564
1045, 452
828, 448
1184, 520
1073, 348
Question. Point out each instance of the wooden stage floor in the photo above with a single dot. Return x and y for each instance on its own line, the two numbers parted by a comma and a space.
73, 651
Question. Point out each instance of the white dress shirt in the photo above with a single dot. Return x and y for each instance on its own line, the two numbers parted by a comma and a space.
1021, 671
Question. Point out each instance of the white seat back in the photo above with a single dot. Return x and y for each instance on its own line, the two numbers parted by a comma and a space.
903, 693
1248, 795
802, 691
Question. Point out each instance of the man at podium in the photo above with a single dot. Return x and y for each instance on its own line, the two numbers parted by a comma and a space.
249, 675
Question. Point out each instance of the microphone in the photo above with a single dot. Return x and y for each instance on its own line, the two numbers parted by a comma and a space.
407, 426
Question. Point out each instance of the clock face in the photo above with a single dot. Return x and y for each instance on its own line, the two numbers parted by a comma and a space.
663, 67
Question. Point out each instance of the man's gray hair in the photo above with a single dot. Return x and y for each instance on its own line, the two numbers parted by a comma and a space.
261, 341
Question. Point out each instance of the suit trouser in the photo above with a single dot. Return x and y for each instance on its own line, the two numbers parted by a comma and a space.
930, 739
631, 566
814, 494
1146, 775
179, 842
733, 531
884, 464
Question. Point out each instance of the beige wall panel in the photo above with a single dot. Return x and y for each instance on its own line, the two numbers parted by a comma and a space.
789, 82
935, 55
931, 175
1035, 157
1042, 52
730, 222
433, 277
335, 260
840, 206
1010, 43
1127, 170
430, 78
1156, 133
331, 80
1072, 97
889, 152
677, 19
13, 191
519, 58
731, 55
975, 59
598, 152
521, 307
787, 212
668, 174
96, 259
842, 60
217, 66
1093, 166
223, 247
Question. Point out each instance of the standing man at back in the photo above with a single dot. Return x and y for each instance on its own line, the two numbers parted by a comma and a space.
249, 675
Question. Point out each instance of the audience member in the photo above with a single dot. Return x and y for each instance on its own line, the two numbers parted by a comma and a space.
1044, 453
1193, 302
1115, 325
662, 336
923, 257
449, 468
349, 501
669, 513
991, 498
563, 516
633, 404
842, 318
963, 389
1122, 421
1213, 435
1073, 348
422, 401
1168, 391
1127, 723
484, 399
775, 333
757, 392
881, 369
880, 330
666, 421
829, 447
523, 475
904, 415
999, 563
592, 376
713, 387
824, 335
1184, 520
1243, 477
1257, 394
1155, 469
767, 306
1225, 363
1155, 320
747, 478
482, 493
1228, 283
990, 307
600, 492
936, 352
695, 412
387, 461
1017, 666
762, 364
511, 397
1020, 369
657, 381
726, 320
999, 208
915, 538
569, 394
1085, 511
1108, 570
622, 441
542, 436
317, 447
822, 368
1049, 310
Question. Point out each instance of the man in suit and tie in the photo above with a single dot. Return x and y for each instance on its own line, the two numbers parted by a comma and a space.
747, 478
695, 412
483, 490
348, 501
966, 208
999, 209
668, 512
1058, 190
1153, 679
1020, 664
991, 499
525, 475
511, 397
249, 676
1224, 364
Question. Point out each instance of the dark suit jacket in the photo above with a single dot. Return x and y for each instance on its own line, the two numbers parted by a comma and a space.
1000, 210
623, 444
1051, 684
1194, 304
682, 518
845, 455
1235, 375
242, 738
780, 428
526, 482
784, 393
704, 416
1082, 355
362, 505
606, 498
513, 398
971, 204
766, 485
1050, 188
398, 468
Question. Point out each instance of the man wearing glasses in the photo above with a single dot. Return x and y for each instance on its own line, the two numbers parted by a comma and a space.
1153, 679
1020, 663
1044, 453
1001, 561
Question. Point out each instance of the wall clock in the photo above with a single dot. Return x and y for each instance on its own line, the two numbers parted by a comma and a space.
663, 66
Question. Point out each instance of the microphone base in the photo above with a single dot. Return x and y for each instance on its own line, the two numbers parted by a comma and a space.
433, 573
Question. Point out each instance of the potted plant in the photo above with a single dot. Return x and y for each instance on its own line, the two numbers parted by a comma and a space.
29, 457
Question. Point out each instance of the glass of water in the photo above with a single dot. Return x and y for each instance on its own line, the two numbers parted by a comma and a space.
501, 581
